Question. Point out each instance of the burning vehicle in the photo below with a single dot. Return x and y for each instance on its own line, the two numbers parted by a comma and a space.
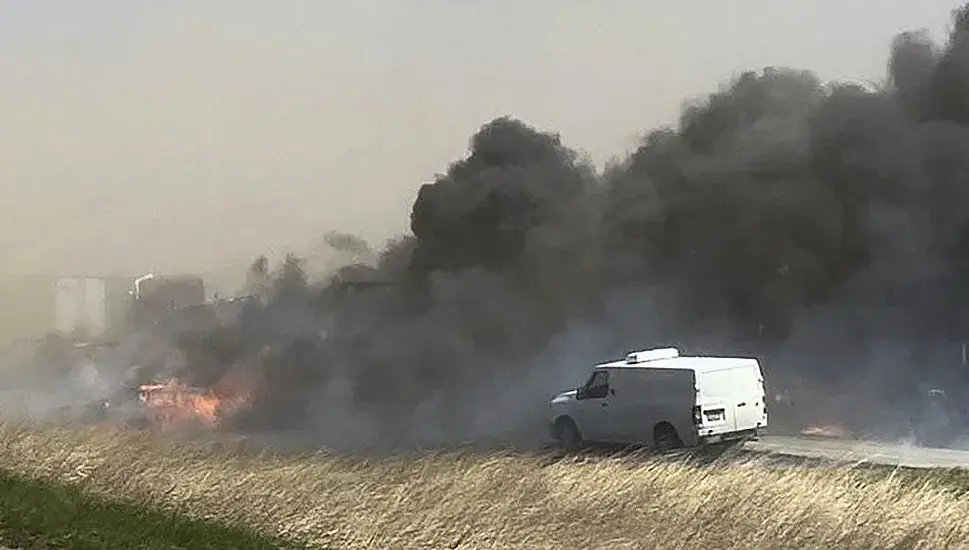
176, 402
173, 402
164, 389
167, 314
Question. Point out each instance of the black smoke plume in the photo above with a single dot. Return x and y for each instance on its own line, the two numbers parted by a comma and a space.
822, 226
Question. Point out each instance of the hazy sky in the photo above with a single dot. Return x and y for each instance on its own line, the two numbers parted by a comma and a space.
182, 135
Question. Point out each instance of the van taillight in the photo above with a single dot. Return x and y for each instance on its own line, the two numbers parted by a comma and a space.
697, 419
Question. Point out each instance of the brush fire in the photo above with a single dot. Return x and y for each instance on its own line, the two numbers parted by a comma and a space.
175, 401
833, 431
172, 402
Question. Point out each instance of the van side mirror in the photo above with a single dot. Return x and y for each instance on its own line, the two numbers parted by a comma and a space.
580, 392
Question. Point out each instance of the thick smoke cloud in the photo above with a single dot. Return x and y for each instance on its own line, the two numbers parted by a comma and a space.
824, 227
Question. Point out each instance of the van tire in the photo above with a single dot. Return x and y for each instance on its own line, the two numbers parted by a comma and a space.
567, 434
665, 437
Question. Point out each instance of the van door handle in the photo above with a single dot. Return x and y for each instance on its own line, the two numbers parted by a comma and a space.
744, 404
604, 404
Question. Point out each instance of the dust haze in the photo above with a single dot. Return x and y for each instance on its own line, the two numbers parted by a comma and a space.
819, 225
193, 136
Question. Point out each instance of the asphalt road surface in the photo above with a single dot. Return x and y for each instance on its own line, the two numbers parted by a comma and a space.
860, 452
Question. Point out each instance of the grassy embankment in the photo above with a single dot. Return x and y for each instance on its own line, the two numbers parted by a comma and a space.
41, 514
498, 501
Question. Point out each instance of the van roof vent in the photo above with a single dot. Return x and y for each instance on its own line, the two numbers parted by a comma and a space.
652, 355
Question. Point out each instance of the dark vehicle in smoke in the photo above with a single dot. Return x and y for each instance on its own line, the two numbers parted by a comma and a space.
940, 420
162, 310
154, 297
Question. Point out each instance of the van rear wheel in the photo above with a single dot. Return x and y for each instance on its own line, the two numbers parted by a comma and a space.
665, 437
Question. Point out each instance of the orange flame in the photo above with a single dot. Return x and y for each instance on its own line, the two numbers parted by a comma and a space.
832, 430
173, 401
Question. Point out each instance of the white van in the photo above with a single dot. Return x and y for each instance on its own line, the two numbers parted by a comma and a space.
663, 400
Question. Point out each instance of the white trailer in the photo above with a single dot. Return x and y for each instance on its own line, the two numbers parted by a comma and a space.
90, 305
80, 306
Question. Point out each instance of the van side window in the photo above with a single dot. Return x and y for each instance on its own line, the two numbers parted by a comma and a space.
598, 385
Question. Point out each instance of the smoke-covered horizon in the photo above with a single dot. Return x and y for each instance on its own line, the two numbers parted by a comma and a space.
820, 226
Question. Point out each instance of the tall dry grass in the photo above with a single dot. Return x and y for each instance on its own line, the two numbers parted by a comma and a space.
474, 501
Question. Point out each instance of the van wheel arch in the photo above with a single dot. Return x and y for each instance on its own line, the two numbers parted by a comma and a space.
665, 437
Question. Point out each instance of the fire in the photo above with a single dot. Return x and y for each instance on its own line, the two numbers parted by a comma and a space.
832, 430
172, 402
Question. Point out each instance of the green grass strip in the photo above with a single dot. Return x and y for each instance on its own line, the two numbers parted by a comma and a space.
38, 514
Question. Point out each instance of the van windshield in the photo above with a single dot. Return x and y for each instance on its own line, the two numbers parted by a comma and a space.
598, 385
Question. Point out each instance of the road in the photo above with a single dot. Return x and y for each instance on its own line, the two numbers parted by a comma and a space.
860, 451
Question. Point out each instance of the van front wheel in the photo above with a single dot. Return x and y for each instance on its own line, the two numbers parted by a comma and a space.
569, 437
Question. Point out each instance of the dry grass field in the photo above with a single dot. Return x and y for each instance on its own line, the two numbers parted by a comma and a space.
466, 500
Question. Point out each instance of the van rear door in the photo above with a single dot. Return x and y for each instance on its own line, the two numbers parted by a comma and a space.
716, 411
719, 399
732, 398
749, 408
